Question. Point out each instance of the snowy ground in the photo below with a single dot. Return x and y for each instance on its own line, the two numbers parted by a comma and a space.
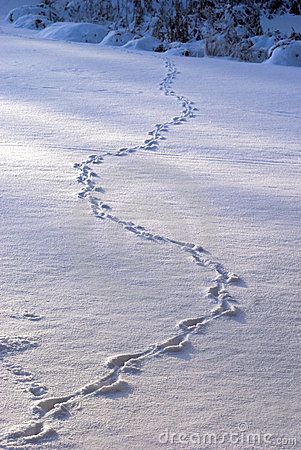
78, 290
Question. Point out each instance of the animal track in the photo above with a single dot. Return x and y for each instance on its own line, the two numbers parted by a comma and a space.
11, 345
27, 316
47, 409
29, 433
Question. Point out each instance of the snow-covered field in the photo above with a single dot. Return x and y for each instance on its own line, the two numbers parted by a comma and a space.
197, 179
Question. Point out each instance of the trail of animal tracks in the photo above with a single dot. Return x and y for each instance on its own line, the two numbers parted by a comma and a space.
56, 407
123, 316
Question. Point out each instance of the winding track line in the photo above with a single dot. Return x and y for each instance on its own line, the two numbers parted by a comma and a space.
47, 410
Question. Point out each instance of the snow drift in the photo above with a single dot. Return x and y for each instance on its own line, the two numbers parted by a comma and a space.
20, 11
32, 22
75, 32
195, 49
117, 38
239, 31
286, 53
148, 43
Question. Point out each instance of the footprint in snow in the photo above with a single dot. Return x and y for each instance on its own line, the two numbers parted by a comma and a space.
27, 316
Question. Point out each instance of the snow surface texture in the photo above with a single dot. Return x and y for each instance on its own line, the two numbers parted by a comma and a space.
54, 407
81, 287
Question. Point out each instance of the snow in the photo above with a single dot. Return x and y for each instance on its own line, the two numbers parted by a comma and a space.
32, 22
195, 49
88, 291
263, 42
75, 32
25, 10
285, 23
8, 5
117, 38
148, 43
286, 53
